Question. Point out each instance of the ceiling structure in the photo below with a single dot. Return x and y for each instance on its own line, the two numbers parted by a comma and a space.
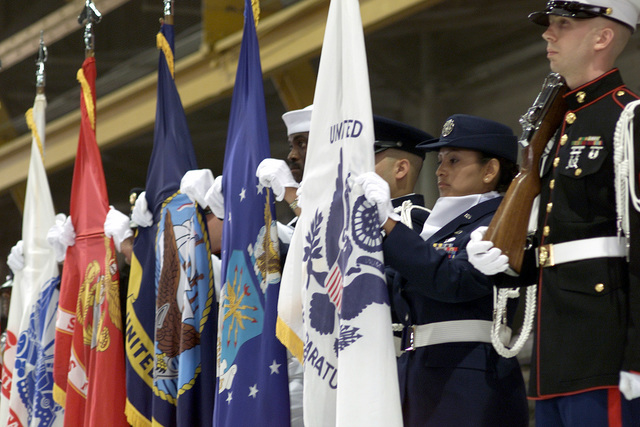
427, 59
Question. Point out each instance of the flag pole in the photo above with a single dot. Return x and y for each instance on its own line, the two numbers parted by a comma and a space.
89, 16
168, 11
40, 72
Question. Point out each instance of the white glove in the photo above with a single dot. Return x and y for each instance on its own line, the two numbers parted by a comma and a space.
116, 226
630, 384
196, 184
275, 174
141, 214
376, 191
61, 235
483, 256
215, 198
15, 260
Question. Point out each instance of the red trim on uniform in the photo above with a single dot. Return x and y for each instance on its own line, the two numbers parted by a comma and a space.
571, 393
614, 408
602, 76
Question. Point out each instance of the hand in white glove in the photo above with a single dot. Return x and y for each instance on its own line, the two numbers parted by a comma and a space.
195, 184
275, 174
376, 191
484, 256
61, 235
630, 384
116, 226
141, 214
215, 198
15, 260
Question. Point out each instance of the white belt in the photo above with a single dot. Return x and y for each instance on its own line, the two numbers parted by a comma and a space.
576, 250
447, 332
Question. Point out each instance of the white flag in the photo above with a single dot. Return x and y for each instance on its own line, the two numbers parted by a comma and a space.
31, 400
333, 299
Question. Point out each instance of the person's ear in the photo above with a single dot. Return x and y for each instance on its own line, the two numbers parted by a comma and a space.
491, 171
603, 38
402, 168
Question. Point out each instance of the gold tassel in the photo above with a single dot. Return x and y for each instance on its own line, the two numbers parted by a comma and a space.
88, 98
255, 5
163, 44
34, 130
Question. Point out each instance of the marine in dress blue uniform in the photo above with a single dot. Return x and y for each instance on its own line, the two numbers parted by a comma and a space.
586, 329
452, 376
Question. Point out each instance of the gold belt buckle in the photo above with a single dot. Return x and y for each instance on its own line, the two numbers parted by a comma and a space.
545, 255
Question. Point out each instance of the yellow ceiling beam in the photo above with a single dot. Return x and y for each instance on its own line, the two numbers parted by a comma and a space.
293, 34
295, 85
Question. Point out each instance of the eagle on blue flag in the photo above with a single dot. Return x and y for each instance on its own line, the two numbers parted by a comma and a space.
171, 310
252, 383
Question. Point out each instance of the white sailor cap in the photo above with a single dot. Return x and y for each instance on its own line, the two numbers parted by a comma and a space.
298, 120
626, 12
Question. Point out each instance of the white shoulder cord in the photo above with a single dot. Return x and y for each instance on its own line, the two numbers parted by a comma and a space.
404, 210
623, 160
500, 299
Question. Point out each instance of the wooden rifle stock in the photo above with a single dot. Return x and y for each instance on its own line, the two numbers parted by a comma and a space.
509, 226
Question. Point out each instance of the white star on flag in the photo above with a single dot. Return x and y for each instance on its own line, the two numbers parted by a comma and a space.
253, 390
229, 398
243, 194
275, 367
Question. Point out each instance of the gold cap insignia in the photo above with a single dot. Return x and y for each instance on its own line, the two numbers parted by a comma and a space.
447, 128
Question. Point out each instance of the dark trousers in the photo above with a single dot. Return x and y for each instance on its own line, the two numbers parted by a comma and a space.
597, 408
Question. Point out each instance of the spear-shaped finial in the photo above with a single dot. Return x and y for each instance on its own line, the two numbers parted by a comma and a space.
42, 58
168, 11
89, 16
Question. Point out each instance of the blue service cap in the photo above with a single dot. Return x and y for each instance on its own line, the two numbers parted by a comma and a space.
393, 134
476, 133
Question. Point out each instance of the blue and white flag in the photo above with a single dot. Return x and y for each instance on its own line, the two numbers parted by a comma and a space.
31, 401
252, 365
334, 301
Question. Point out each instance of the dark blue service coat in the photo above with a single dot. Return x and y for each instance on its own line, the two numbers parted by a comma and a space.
450, 384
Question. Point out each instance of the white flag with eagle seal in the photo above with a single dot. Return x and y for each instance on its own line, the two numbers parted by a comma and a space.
333, 310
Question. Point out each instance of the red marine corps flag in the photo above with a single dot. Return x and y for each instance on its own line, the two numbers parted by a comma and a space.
89, 369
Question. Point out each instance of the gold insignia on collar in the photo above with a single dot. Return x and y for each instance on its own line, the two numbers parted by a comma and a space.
580, 96
609, 11
620, 93
447, 128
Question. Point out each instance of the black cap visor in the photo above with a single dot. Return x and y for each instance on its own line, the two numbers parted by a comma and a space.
569, 9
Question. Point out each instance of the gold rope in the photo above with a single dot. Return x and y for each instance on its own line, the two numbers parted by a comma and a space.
255, 5
34, 130
163, 44
88, 99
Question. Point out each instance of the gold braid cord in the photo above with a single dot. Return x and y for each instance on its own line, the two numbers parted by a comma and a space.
255, 5
34, 130
88, 98
163, 44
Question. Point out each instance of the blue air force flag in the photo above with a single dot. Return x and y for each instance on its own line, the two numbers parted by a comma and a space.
334, 266
252, 364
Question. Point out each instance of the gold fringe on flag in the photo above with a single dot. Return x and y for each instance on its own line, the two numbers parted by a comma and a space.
163, 44
88, 98
255, 5
34, 130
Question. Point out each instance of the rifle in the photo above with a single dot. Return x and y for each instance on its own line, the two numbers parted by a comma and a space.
508, 228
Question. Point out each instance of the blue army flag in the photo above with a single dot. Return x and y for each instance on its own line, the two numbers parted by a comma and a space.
31, 400
334, 303
252, 386
171, 311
